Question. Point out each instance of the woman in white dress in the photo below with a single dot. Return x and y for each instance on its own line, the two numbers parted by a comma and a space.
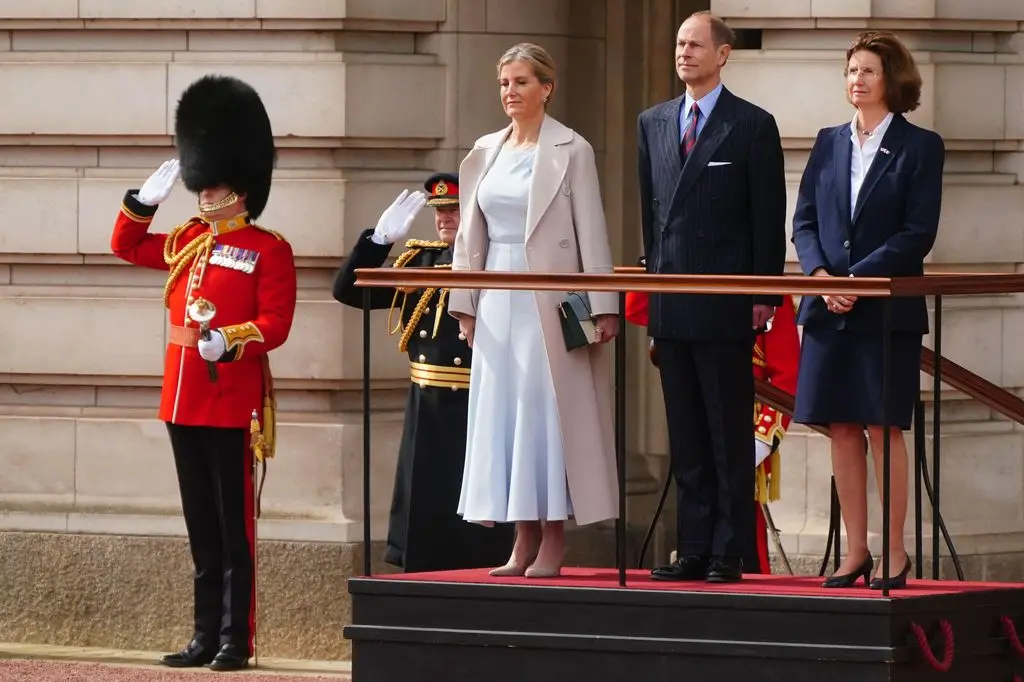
540, 446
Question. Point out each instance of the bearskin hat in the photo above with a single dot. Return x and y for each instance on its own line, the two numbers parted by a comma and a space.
223, 136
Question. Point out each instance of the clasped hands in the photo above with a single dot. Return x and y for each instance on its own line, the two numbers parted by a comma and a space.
607, 327
840, 305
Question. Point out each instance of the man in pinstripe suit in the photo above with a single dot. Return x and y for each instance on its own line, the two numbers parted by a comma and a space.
713, 201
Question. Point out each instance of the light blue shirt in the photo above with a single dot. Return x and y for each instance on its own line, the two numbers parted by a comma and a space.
706, 104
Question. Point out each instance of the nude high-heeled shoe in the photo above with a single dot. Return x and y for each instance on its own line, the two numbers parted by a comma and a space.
551, 553
524, 552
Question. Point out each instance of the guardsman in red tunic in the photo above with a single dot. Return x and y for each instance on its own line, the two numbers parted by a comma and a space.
230, 296
775, 360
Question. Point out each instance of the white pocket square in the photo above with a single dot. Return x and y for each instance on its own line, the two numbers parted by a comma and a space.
719, 163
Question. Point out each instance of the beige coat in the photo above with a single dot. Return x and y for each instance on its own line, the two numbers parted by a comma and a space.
564, 193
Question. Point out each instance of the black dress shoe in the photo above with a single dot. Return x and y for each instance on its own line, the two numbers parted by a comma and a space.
850, 579
193, 655
725, 570
895, 582
690, 567
231, 657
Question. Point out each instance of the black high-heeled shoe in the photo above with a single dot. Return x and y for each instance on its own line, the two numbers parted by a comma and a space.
895, 582
850, 579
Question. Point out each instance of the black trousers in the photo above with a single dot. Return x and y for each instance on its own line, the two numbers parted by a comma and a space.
708, 388
214, 477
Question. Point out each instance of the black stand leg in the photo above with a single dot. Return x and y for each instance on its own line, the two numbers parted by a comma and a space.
620, 440
837, 528
936, 429
919, 448
366, 432
833, 535
886, 444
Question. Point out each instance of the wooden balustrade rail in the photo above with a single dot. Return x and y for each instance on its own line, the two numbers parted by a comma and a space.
982, 390
624, 280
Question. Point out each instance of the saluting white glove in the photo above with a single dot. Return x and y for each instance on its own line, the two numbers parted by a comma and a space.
761, 452
397, 218
212, 349
159, 185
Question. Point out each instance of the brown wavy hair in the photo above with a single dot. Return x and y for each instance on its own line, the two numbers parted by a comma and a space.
902, 79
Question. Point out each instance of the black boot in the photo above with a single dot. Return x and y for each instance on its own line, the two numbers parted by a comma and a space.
194, 655
231, 657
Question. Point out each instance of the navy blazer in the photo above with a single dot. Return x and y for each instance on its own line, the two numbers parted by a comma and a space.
722, 212
891, 230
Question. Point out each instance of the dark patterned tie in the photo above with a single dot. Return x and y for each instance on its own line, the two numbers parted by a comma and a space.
690, 134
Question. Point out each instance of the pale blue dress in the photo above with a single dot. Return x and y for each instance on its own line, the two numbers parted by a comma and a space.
515, 465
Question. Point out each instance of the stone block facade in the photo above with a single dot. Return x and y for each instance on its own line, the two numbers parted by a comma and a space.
367, 97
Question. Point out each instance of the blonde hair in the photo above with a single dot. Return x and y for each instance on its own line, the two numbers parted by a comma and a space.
537, 57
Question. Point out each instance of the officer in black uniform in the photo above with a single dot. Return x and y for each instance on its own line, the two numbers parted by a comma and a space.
425, 532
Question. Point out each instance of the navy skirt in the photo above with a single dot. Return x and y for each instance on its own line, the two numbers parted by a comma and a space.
840, 378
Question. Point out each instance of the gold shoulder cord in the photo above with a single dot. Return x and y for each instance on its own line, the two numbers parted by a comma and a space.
425, 244
179, 260
414, 248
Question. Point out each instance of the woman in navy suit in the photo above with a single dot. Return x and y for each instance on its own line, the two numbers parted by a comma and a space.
868, 207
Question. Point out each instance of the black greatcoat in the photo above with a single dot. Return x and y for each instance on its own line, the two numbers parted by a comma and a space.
425, 532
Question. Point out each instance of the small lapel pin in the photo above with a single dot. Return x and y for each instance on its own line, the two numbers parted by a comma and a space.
883, 150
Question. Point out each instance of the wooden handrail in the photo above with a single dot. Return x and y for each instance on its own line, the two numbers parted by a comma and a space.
938, 284
612, 282
982, 390
927, 285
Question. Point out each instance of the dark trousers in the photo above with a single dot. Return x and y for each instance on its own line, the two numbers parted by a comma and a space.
214, 477
709, 397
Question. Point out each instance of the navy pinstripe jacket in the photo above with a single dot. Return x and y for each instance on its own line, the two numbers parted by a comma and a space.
723, 212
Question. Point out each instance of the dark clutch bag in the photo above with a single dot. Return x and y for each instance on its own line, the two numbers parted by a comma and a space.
578, 328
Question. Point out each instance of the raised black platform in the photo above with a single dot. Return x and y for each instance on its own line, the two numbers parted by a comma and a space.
464, 625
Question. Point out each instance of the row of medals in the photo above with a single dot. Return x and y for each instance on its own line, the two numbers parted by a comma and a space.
234, 258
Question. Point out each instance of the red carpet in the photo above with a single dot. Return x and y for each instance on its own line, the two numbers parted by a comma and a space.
784, 585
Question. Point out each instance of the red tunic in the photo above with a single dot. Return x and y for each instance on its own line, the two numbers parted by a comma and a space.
776, 359
248, 273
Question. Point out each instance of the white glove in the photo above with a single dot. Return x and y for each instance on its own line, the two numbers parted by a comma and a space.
397, 218
761, 452
159, 185
212, 349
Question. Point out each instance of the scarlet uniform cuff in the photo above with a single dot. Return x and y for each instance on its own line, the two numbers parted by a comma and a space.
135, 209
237, 335
767, 424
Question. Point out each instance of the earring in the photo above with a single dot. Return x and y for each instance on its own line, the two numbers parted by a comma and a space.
545, 100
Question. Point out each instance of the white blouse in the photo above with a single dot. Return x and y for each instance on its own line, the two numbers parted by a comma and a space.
862, 156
